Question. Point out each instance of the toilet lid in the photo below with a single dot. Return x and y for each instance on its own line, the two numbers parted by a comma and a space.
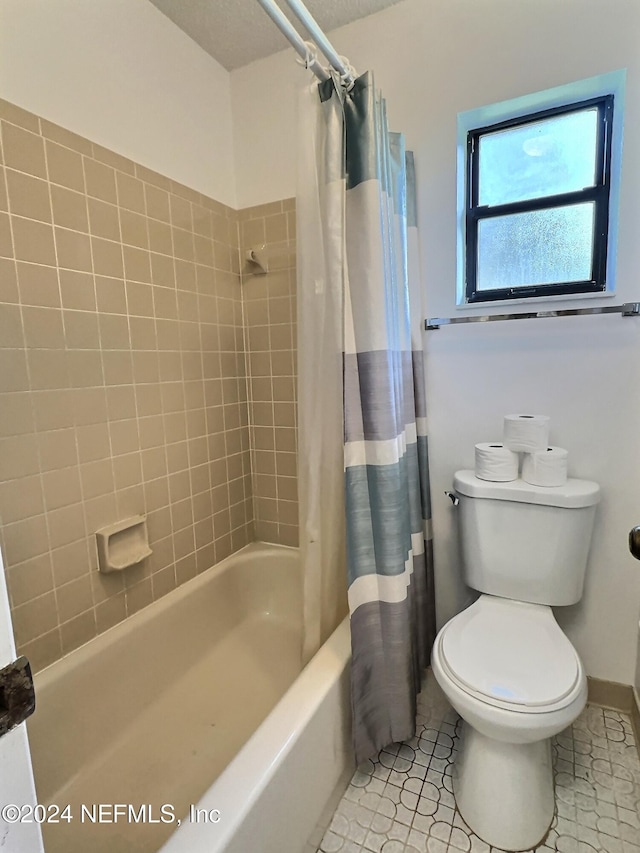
510, 651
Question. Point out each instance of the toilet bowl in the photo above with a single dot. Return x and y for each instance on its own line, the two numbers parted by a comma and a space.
515, 679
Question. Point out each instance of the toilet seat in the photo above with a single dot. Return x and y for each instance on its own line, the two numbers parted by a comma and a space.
510, 654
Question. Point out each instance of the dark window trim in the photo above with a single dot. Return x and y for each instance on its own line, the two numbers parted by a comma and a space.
599, 194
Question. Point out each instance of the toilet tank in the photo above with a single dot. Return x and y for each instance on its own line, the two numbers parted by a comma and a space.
528, 543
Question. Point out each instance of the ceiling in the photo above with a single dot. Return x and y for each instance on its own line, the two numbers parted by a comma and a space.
236, 32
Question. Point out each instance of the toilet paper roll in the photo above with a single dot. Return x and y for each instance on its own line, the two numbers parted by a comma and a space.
526, 433
546, 467
496, 462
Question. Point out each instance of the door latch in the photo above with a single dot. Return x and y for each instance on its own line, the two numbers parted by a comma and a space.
17, 694
634, 541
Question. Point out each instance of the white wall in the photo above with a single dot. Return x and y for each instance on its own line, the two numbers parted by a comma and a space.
122, 74
433, 60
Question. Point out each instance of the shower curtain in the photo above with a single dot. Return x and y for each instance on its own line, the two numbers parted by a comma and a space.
368, 283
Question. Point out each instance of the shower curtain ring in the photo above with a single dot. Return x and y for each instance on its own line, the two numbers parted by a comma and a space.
310, 55
348, 79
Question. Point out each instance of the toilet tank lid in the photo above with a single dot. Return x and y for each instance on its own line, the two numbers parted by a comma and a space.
573, 494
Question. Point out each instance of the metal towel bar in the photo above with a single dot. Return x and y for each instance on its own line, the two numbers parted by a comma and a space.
628, 309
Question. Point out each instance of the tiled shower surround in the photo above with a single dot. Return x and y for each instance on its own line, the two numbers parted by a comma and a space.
270, 321
403, 801
130, 367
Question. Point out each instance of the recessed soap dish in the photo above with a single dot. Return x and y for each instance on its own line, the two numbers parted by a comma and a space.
123, 544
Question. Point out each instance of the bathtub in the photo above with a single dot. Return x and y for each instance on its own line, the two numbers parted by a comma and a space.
194, 708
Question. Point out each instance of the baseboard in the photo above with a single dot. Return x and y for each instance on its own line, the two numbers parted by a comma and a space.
620, 697
611, 694
635, 717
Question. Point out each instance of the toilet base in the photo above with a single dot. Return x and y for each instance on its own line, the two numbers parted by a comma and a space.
504, 791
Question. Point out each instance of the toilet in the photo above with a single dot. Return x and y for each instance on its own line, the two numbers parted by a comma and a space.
504, 663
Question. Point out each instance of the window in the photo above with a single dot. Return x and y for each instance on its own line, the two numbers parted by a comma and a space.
537, 197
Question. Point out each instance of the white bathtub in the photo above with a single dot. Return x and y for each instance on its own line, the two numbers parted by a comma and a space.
168, 709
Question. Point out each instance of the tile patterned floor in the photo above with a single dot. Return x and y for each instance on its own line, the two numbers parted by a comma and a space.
403, 801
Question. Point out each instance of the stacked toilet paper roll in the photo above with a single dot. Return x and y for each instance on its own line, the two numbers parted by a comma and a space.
542, 465
546, 467
526, 433
496, 462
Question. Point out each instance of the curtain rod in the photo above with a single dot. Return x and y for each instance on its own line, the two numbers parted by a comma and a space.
628, 309
300, 46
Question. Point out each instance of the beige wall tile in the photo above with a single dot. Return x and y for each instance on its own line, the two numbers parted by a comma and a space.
137, 264
57, 449
66, 525
23, 150
157, 203
107, 258
121, 402
70, 562
181, 216
16, 115
74, 250
4, 201
114, 331
25, 539
33, 241
43, 327
145, 367
276, 228
52, 409
118, 162
130, 193
74, 598
124, 436
139, 596
133, 227
30, 579
11, 331
97, 478
160, 239
100, 181
69, 209
77, 290
139, 299
8, 280
153, 178
89, 404
85, 368
110, 612
43, 650
110, 295
81, 330
16, 414
21, 498
103, 219
34, 618
28, 196
118, 367
93, 441
6, 242
65, 137
64, 166
61, 488
78, 631
38, 285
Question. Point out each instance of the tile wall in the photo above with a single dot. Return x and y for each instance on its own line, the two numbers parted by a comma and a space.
123, 384
270, 320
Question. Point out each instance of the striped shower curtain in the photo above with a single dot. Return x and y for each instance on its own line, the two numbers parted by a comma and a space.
386, 479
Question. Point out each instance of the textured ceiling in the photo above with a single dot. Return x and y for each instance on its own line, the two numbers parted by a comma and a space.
235, 32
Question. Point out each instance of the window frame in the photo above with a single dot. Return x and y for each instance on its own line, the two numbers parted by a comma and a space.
599, 193
611, 82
